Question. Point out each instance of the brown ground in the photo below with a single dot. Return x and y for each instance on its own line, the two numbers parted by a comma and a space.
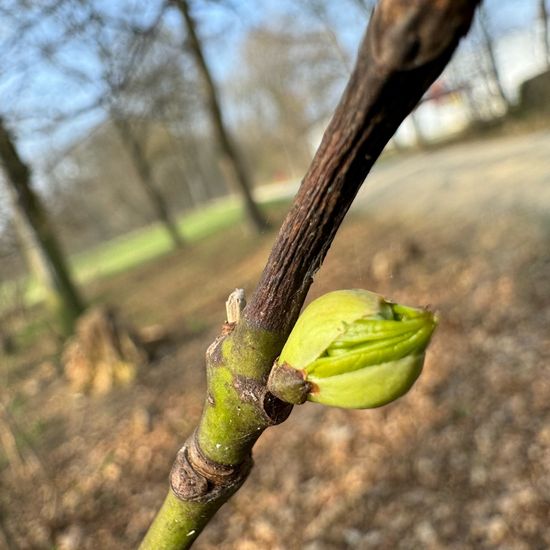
463, 461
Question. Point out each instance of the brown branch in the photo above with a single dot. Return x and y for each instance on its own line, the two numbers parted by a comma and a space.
407, 45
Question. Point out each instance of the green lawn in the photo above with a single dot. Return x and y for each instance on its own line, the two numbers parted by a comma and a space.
144, 244
149, 242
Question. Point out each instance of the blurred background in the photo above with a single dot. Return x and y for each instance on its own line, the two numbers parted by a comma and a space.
148, 153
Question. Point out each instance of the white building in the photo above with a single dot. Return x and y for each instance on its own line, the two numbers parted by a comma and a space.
465, 90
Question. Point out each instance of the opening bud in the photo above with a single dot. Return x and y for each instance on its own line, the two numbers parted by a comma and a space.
352, 349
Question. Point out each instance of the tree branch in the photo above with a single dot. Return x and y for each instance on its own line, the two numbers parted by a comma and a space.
407, 45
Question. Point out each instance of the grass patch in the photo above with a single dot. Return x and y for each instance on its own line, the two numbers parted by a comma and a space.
152, 241
132, 249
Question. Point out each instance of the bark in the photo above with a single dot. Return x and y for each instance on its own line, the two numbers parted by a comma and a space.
45, 256
232, 164
488, 46
145, 176
28, 246
406, 47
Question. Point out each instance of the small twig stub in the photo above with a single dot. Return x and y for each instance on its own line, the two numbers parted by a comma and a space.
235, 305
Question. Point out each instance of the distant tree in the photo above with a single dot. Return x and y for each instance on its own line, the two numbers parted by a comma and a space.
146, 179
100, 166
232, 163
131, 73
488, 45
48, 263
284, 94
131, 80
320, 11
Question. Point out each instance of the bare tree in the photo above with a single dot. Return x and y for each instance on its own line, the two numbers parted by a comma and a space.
135, 75
232, 163
488, 44
406, 47
49, 262
146, 179
128, 82
287, 88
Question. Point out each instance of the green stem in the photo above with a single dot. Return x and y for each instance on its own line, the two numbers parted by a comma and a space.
178, 523
216, 459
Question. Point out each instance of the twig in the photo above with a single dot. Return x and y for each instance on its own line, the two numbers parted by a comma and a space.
407, 45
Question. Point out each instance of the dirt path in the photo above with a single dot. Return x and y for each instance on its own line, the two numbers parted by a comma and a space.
465, 179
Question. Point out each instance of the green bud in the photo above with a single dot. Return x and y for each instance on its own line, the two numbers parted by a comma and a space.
352, 349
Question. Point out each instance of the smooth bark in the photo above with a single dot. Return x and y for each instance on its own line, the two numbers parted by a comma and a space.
406, 47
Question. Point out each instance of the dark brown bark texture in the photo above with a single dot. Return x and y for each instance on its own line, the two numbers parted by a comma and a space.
230, 159
407, 45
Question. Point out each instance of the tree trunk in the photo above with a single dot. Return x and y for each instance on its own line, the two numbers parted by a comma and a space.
44, 255
543, 16
488, 46
231, 162
406, 47
145, 176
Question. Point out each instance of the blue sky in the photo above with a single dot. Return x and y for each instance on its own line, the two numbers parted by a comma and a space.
32, 92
